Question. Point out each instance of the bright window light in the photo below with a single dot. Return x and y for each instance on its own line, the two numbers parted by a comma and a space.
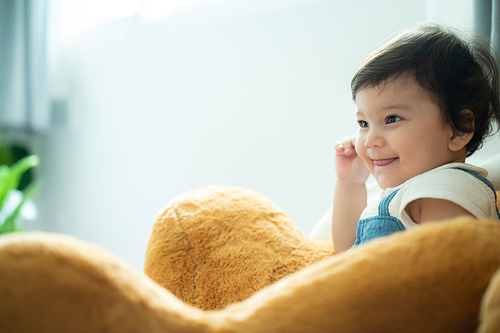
154, 10
77, 16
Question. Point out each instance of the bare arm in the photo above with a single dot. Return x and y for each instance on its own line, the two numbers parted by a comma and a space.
350, 194
349, 202
433, 210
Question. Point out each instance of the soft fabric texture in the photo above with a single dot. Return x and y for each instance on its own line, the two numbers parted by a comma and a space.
379, 224
449, 182
219, 245
490, 307
429, 279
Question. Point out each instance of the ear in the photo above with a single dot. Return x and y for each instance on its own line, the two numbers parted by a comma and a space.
458, 139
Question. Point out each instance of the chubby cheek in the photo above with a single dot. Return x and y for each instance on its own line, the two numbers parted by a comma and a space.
361, 150
359, 146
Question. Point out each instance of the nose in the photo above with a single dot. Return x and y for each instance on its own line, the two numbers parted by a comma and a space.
374, 138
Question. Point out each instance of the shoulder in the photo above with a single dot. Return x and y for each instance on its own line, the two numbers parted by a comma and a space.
457, 184
454, 171
448, 179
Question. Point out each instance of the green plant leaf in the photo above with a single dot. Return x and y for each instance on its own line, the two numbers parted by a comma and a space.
30, 191
10, 177
9, 227
5, 180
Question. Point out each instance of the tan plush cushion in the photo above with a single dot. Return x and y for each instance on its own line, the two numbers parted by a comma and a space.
219, 245
430, 279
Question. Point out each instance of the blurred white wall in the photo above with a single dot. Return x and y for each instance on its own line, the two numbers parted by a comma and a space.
239, 93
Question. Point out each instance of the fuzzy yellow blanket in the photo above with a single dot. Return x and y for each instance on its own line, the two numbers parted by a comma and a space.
232, 250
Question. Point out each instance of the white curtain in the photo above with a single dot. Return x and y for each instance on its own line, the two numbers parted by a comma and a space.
23, 65
487, 20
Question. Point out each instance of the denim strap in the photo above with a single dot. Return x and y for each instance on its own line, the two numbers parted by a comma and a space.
383, 207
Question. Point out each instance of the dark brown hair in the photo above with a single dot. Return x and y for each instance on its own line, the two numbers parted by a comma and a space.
458, 72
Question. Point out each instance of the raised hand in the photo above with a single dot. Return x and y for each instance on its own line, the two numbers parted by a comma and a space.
350, 193
348, 165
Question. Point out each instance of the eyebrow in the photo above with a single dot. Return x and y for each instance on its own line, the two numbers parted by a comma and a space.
397, 106
403, 107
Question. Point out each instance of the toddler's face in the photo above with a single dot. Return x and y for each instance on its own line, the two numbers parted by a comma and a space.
401, 132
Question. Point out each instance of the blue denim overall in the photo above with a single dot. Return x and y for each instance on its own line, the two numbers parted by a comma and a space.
379, 225
383, 224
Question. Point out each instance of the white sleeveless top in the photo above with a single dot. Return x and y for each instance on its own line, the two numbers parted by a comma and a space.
445, 182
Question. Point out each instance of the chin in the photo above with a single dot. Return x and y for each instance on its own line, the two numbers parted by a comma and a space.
384, 185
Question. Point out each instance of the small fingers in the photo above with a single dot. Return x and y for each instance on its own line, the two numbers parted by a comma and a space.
347, 145
339, 147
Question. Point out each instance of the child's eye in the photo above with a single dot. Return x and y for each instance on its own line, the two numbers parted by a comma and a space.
363, 123
392, 119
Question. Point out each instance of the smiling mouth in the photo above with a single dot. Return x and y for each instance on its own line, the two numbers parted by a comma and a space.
384, 161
